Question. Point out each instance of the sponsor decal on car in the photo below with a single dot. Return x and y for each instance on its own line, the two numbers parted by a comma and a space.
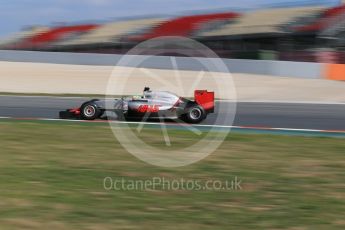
148, 108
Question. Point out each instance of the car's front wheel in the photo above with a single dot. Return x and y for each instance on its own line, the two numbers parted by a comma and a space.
90, 111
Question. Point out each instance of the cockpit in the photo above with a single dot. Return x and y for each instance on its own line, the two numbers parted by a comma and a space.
160, 95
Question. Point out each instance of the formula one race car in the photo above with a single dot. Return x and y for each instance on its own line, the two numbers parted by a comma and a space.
149, 105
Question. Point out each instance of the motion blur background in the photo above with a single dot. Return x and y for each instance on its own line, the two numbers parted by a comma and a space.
270, 30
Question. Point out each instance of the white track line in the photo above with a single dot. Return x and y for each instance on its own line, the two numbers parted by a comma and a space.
183, 125
56, 97
286, 102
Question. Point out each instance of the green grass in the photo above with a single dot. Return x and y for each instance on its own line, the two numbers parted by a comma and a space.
51, 176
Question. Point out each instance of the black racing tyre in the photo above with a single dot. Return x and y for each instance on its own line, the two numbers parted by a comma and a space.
194, 114
90, 111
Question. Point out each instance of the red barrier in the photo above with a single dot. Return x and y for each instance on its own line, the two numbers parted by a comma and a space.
335, 72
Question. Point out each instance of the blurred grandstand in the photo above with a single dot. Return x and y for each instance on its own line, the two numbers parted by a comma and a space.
304, 33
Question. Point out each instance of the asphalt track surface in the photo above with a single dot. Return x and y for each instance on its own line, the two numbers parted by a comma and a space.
249, 114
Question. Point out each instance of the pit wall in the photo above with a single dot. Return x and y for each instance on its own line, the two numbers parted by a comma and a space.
307, 70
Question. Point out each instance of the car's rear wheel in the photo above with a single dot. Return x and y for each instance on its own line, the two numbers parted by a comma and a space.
90, 111
195, 114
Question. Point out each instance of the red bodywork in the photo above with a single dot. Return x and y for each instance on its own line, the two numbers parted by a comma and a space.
75, 111
205, 99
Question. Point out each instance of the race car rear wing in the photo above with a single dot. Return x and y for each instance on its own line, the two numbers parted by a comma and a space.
205, 99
